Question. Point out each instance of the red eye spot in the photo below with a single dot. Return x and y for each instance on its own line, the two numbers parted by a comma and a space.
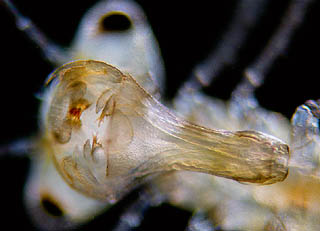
75, 112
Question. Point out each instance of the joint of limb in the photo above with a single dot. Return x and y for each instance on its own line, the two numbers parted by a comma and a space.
51, 51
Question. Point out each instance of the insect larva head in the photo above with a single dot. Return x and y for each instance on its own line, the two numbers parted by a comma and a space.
117, 32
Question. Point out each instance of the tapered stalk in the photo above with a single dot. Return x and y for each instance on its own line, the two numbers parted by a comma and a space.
106, 133
246, 156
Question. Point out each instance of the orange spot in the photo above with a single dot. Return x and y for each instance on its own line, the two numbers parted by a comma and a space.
75, 112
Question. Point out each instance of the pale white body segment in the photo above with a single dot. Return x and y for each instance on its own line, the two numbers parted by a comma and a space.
142, 59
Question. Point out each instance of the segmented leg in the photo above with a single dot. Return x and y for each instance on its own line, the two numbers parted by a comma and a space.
243, 103
246, 17
51, 51
279, 42
243, 111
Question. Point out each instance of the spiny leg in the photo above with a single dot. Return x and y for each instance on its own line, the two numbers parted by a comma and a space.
228, 50
256, 72
243, 103
243, 100
246, 16
51, 51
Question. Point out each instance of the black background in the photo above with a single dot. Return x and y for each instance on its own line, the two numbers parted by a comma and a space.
186, 33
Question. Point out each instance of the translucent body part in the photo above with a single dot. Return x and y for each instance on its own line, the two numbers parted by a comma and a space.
92, 138
305, 139
232, 115
131, 47
296, 200
227, 203
289, 205
46, 187
93, 133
